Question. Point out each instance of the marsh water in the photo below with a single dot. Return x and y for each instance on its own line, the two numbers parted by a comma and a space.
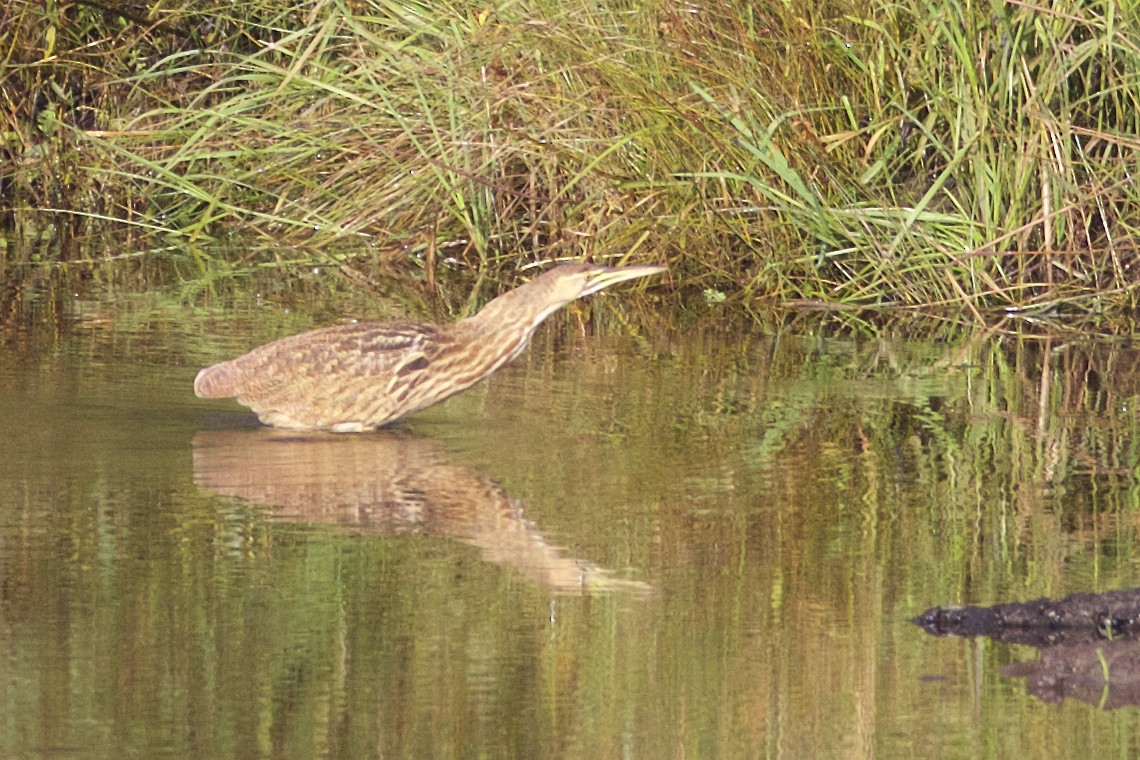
638, 541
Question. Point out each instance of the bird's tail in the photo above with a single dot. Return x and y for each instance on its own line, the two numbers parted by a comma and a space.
216, 381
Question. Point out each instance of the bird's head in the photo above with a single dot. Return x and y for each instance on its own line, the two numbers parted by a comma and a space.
528, 305
568, 282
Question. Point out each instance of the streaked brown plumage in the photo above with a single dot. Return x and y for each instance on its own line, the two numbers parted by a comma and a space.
355, 377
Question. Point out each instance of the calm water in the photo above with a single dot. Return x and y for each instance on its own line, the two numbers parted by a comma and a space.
638, 542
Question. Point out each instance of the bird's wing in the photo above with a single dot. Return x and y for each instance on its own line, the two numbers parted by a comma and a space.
315, 363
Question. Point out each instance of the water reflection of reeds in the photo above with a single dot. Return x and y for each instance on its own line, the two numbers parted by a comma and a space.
794, 498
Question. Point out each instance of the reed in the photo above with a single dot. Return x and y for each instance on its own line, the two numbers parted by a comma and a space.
902, 154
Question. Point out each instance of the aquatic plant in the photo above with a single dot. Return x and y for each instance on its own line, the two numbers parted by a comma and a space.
875, 154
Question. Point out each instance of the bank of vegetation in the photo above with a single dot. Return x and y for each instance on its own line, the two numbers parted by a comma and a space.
917, 154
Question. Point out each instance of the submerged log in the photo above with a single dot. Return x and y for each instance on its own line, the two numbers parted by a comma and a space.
1089, 644
1042, 622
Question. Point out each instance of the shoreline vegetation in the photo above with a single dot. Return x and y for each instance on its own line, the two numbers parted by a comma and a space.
977, 157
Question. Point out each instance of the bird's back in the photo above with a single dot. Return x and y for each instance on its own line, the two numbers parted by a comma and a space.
346, 377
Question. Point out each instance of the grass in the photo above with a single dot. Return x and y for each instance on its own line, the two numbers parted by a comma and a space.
905, 154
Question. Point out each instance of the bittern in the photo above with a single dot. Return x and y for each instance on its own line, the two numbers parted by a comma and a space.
356, 377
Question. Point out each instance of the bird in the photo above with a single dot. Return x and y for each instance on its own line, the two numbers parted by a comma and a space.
361, 376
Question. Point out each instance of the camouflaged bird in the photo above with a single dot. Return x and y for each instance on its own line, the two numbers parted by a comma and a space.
356, 377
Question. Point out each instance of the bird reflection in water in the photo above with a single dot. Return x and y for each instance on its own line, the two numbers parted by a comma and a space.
388, 484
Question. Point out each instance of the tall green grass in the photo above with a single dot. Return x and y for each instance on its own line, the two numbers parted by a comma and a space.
912, 154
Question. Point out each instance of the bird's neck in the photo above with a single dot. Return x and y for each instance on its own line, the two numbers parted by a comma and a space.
503, 328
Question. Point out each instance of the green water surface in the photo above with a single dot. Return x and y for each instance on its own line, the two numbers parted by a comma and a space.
638, 541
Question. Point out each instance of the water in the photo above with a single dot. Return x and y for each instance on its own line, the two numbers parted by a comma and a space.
637, 542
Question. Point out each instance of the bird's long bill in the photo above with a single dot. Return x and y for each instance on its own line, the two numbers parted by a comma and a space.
606, 276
